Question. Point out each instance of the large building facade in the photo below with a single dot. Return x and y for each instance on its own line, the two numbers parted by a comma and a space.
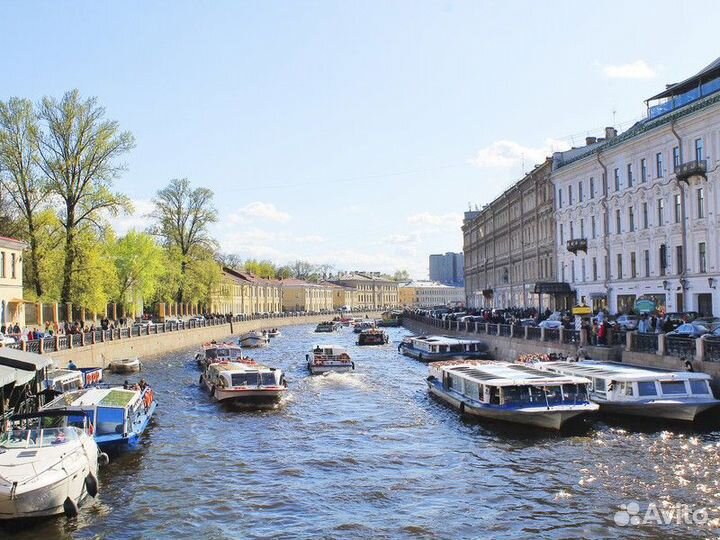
509, 246
425, 294
637, 213
12, 306
242, 293
299, 295
371, 291
447, 269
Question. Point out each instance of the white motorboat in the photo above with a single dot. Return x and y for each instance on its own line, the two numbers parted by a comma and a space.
125, 365
510, 392
273, 332
254, 339
218, 352
329, 358
436, 348
243, 383
642, 391
46, 471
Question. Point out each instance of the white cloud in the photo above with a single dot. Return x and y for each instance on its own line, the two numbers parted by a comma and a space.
634, 70
259, 210
445, 221
504, 154
400, 239
139, 220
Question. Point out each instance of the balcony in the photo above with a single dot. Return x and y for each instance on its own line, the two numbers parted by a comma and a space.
691, 168
577, 244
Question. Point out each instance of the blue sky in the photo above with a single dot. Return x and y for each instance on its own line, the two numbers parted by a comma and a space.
343, 132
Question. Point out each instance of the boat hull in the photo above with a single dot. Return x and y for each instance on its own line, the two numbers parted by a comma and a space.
372, 341
253, 343
425, 356
119, 442
668, 410
316, 369
133, 367
553, 419
249, 397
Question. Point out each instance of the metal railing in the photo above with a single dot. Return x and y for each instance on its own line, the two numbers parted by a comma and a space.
711, 348
533, 332
644, 342
505, 330
552, 334
49, 344
680, 346
492, 329
571, 336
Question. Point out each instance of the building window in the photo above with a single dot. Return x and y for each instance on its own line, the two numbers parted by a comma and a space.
582, 228
700, 203
663, 259
592, 187
604, 184
629, 175
661, 212
592, 226
2, 264
633, 265
580, 192
562, 235
617, 222
617, 179
631, 219
703, 258
647, 263
643, 170
619, 265
699, 149
570, 200
659, 164
572, 270
645, 215
572, 231
676, 157
679, 259
582, 269
677, 208
594, 266
560, 198
12, 266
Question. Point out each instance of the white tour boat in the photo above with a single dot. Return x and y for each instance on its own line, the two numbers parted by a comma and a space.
125, 365
254, 339
243, 383
510, 392
46, 471
642, 391
218, 352
329, 358
435, 348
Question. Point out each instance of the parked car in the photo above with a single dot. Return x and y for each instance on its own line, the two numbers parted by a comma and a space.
627, 322
144, 323
197, 318
6, 340
174, 320
694, 330
550, 325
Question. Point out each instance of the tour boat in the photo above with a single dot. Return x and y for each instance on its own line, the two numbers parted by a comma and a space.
273, 332
118, 415
363, 325
329, 358
510, 392
326, 327
372, 336
642, 391
125, 365
241, 383
66, 380
218, 352
435, 348
46, 471
254, 339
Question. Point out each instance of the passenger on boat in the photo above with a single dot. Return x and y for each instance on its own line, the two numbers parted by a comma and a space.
688, 364
142, 384
126, 385
71, 365
60, 438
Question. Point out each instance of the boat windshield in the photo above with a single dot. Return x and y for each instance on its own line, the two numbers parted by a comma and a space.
211, 353
37, 438
253, 379
543, 395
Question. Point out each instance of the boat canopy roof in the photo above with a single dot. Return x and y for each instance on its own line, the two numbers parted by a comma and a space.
100, 397
23, 360
221, 346
622, 372
237, 367
329, 349
506, 374
10, 375
444, 340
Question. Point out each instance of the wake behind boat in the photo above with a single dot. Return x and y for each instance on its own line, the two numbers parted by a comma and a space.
510, 392
642, 391
435, 348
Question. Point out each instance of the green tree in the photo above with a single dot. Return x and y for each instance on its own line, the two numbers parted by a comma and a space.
182, 218
96, 279
25, 188
284, 272
203, 276
262, 269
78, 152
140, 264
401, 275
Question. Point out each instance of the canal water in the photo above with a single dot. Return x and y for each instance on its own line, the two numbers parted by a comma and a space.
369, 454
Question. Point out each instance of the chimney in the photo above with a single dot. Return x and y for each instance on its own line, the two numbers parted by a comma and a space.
610, 133
590, 140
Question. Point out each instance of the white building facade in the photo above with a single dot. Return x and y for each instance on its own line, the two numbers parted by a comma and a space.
637, 214
425, 294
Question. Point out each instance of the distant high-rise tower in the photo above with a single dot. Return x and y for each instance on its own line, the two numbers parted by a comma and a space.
448, 269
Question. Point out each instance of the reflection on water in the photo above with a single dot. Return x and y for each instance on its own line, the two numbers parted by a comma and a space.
370, 454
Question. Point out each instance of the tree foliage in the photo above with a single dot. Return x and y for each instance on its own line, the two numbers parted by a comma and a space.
262, 269
401, 275
140, 265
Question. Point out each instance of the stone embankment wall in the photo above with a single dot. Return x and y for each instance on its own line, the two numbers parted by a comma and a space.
101, 354
509, 348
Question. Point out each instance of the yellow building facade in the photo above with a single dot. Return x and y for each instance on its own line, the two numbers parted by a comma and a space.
299, 295
372, 290
241, 293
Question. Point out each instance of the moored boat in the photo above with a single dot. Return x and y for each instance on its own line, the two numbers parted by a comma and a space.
118, 415
436, 348
329, 358
45, 471
327, 326
253, 339
372, 336
60, 380
642, 391
241, 383
510, 392
125, 365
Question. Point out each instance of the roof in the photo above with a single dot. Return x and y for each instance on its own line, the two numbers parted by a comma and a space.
12, 243
710, 71
239, 367
102, 397
507, 374
247, 277
23, 360
292, 282
445, 340
10, 375
622, 372
423, 284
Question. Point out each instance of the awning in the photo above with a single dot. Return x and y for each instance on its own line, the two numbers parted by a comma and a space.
23, 360
18, 377
552, 287
597, 295
17, 301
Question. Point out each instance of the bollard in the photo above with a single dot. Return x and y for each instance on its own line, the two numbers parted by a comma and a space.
526, 332
700, 349
661, 345
628, 340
